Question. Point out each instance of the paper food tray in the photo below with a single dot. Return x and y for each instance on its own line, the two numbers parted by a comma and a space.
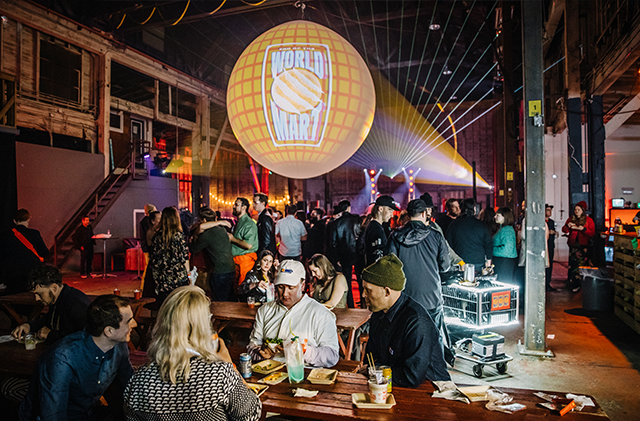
258, 388
362, 401
322, 376
267, 366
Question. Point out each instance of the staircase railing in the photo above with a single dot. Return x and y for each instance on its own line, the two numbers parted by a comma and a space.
123, 170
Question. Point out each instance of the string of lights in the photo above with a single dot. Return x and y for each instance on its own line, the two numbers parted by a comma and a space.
221, 201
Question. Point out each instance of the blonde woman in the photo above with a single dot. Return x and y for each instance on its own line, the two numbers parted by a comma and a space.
186, 377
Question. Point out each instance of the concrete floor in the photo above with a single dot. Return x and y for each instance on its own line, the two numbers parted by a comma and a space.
595, 353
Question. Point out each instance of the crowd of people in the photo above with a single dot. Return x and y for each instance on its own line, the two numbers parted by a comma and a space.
298, 268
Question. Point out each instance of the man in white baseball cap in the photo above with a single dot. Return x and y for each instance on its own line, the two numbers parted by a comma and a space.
293, 313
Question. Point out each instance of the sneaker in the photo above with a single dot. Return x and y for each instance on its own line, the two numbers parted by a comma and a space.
83, 276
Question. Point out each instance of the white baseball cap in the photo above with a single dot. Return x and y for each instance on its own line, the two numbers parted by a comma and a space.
290, 272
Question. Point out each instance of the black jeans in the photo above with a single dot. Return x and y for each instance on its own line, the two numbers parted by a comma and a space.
86, 260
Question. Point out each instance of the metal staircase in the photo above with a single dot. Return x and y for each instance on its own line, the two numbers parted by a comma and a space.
97, 205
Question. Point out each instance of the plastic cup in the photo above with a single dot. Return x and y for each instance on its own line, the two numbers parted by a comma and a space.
378, 392
296, 374
30, 341
116, 291
251, 302
137, 294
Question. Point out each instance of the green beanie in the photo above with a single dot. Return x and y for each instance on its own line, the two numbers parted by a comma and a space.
386, 272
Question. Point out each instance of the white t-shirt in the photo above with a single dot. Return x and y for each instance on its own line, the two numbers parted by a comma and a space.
309, 320
290, 230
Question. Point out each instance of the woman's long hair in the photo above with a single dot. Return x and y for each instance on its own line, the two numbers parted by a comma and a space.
508, 216
170, 225
488, 216
320, 261
583, 218
182, 330
258, 270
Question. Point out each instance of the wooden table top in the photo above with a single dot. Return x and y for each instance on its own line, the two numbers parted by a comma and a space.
335, 403
16, 361
346, 318
29, 298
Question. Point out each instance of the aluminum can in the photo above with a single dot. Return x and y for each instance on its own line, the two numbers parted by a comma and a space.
386, 373
245, 365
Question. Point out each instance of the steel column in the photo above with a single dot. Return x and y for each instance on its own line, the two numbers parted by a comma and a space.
534, 245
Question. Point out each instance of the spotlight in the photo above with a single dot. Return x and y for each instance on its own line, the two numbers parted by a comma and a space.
372, 172
411, 190
410, 171
372, 179
373, 192
446, 70
434, 26
145, 156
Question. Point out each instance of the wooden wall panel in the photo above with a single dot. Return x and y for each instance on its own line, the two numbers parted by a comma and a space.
9, 47
28, 65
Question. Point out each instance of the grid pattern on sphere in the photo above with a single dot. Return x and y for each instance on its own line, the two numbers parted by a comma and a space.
350, 108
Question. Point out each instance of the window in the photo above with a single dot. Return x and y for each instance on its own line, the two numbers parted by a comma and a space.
116, 121
60, 69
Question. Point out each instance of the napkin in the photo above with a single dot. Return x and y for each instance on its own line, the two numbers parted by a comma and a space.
304, 393
6, 338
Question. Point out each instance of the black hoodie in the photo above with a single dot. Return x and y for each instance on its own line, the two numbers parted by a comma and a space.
423, 252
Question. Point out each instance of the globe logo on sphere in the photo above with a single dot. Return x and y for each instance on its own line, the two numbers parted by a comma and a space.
300, 100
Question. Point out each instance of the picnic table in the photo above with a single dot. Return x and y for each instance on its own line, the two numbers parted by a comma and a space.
7, 303
241, 315
334, 402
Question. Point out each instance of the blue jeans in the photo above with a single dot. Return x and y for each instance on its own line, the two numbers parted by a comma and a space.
221, 285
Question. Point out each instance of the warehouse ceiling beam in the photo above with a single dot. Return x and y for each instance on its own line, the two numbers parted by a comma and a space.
617, 61
623, 115
550, 28
202, 16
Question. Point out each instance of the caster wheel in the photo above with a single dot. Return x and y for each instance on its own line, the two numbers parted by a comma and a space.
501, 367
477, 370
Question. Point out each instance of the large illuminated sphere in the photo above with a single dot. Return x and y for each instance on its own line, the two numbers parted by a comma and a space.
300, 100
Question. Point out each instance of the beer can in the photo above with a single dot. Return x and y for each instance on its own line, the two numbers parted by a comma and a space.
245, 365
386, 373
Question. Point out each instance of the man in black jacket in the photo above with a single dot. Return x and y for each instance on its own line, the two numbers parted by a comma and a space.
376, 234
424, 253
266, 236
67, 306
470, 237
21, 250
83, 241
401, 333
344, 231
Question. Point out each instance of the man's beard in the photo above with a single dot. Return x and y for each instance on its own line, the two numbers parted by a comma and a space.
235, 212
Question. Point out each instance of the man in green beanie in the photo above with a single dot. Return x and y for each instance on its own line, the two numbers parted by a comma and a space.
402, 335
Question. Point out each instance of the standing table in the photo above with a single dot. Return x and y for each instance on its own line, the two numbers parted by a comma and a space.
104, 240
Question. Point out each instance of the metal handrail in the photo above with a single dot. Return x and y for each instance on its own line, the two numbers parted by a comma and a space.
94, 197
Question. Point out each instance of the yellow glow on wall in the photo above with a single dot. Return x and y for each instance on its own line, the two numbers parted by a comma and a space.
300, 99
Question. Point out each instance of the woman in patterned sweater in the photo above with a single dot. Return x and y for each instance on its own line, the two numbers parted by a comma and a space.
169, 259
187, 378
